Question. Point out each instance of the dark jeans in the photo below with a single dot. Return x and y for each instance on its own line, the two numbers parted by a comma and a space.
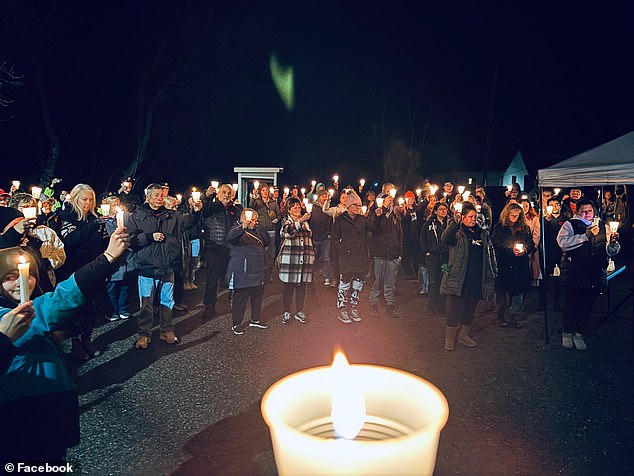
287, 296
434, 299
322, 248
119, 293
179, 281
461, 310
578, 308
217, 259
239, 305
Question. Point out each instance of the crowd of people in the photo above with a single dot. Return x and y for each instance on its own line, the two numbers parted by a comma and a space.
458, 246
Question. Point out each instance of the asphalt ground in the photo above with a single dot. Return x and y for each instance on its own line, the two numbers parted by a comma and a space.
517, 404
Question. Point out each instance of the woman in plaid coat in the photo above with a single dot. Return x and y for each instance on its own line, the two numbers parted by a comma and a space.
296, 259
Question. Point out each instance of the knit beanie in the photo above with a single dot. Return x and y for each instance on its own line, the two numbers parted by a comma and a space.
353, 199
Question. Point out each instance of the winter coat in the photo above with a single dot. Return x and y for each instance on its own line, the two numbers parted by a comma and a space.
514, 272
158, 259
387, 235
432, 248
246, 256
84, 240
217, 221
37, 389
585, 259
458, 244
552, 225
349, 237
296, 258
269, 214
320, 224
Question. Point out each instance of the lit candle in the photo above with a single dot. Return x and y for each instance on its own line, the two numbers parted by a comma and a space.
557, 190
36, 192
379, 202
397, 433
519, 247
478, 208
614, 226
457, 207
179, 197
256, 185
362, 182
309, 207
331, 191
465, 195
39, 207
303, 190
460, 189
235, 187
29, 212
195, 195
215, 183
433, 189
524, 197
23, 269
444, 194
419, 191
16, 184
549, 209
305, 200
271, 190
286, 190
393, 192
364, 209
335, 178
509, 188
105, 209
313, 182
470, 180
315, 197
120, 222
401, 201
248, 215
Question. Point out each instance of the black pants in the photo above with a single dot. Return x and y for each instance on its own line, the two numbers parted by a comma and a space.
178, 286
578, 308
434, 299
239, 305
461, 310
217, 260
287, 296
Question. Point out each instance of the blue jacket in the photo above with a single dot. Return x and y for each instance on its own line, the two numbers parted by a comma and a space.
246, 256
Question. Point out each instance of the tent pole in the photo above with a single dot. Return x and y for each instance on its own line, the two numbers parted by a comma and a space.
544, 289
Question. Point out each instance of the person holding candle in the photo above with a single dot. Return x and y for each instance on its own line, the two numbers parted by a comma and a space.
154, 232
13, 227
514, 245
553, 222
38, 399
386, 249
435, 254
128, 199
220, 214
534, 225
270, 214
469, 275
246, 271
586, 244
321, 226
85, 237
296, 259
412, 223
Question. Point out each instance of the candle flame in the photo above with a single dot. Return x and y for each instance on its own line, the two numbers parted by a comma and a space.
348, 406
22, 260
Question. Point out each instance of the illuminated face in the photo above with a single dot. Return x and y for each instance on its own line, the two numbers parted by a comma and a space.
126, 186
85, 202
448, 187
354, 209
441, 212
322, 199
156, 198
47, 206
11, 284
342, 199
513, 216
586, 211
556, 206
575, 194
296, 211
469, 219
525, 207
225, 194
432, 200
264, 192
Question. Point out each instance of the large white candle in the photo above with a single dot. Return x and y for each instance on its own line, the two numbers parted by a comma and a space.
457, 207
399, 433
379, 202
23, 269
519, 247
393, 192
309, 207
460, 189
433, 189
120, 222
36, 192
29, 212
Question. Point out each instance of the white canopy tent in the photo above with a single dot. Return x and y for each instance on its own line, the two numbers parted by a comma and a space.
611, 163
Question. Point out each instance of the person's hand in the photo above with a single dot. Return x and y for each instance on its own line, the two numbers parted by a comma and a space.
24, 225
378, 211
119, 242
457, 216
614, 237
198, 206
304, 217
592, 231
158, 236
517, 252
245, 224
210, 191
17, 321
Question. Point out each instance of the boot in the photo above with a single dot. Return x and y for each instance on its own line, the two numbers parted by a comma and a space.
77, 351
89, 348
463, 337
450, 337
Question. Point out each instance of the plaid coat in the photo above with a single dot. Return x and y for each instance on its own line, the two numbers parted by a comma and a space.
296, 259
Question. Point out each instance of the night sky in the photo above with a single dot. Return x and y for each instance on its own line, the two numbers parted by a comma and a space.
563, 83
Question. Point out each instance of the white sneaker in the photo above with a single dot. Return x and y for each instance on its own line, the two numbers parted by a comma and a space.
580, 344
566, 340
286, 318
326, 282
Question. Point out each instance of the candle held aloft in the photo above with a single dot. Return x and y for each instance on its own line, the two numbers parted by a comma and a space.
362, 182
36, 192
457, 207
105, 209
120, 221
29, 212
392, 192
214, 184
519, 247
614, 226
23, 270
364, 209
195, 195
248, 215
399, 428
256, 185
379, 202
309, 207
549, 209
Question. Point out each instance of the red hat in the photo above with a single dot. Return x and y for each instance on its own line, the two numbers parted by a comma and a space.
409, 194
